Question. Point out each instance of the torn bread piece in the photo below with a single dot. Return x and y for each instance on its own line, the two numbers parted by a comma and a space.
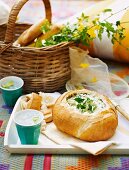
47, 99
32, 101
48, 118
47, 115
43, 102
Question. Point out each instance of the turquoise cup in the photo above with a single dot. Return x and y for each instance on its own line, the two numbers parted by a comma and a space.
11, 88
28, 124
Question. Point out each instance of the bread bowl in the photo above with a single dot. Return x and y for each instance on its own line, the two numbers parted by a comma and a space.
86, 115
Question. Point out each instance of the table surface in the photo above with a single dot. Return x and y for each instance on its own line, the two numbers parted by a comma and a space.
59, 162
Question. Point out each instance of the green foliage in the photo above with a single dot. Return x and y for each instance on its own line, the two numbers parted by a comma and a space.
107, 10
117, 23
84, 31
100, 32
38, 43
79, 99
46, 27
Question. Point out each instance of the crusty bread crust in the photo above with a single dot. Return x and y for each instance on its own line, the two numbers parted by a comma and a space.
88, 127
31, 33
32, 101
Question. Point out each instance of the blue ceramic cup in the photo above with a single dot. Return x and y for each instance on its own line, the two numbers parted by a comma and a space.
28, 124
11, 88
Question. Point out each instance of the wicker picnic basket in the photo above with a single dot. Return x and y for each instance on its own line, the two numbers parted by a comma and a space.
42, 69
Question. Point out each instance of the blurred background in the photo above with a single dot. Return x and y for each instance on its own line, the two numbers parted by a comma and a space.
61, 9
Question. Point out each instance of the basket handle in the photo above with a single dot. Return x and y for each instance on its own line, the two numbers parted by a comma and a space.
13, 16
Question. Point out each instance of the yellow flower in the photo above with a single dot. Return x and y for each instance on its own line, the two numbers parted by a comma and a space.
94, 80
91, 32
81, 27
97, 27
84, 65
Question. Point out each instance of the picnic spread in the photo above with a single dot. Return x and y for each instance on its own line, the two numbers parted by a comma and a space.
71, 78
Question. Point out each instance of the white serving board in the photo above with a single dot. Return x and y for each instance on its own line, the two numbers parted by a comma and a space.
46, 146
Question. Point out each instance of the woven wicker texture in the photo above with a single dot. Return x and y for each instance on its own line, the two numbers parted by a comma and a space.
45, 69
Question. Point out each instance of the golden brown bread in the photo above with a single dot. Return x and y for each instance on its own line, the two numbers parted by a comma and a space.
97, 123
47, 115
31, 33
48, 118
42, 102
32, 101
55, 29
